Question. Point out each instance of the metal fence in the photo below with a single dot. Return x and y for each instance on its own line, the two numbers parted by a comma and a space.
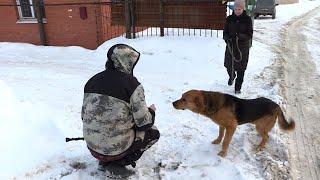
170, 17
152, 17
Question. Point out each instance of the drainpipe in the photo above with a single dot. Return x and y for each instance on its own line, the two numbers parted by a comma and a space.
38, 5
127, 13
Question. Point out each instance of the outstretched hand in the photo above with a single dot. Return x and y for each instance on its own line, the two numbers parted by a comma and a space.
153, 107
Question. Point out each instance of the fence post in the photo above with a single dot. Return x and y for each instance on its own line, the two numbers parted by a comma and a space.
133, 19
38, 5
161, 18
127, 18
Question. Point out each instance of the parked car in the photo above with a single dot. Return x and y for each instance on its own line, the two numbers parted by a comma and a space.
265, 7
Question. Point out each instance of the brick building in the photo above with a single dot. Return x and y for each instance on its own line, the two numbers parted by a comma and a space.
69, 23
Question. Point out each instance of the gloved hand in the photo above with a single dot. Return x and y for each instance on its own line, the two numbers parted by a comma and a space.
153, 107
230, 39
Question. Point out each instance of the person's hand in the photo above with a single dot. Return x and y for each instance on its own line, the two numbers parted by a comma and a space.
235, 36
228, 40
153, 107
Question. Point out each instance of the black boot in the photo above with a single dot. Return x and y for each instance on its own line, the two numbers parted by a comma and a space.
101, 166
232, 76
237, 88
117, 171
114, 170
239, 81
230, 81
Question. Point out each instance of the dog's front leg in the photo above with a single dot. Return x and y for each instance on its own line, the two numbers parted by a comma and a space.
226, 141
219, 138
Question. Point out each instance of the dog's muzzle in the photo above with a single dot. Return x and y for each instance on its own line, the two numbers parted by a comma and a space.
175, 105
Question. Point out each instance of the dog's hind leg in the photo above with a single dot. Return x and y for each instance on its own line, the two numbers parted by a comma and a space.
265, 138
219, 138
226, 141
263, 127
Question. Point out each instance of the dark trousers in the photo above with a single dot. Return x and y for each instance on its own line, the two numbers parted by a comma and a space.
139, 147
136, 150
239, 79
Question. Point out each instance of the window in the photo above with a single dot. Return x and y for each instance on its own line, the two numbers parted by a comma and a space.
26, 11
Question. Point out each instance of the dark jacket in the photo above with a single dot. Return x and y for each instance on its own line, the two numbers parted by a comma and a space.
238, 27
114, 111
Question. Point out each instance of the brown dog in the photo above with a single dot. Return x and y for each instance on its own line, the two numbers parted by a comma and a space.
229, 112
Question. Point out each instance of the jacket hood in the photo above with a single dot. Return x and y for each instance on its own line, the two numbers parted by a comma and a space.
123, 58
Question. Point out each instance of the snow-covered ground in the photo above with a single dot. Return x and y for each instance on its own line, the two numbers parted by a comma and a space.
313, 40
41, 91
265, 28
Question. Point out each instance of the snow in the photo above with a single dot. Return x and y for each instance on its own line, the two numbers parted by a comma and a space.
313, 41
265, 27
41, 90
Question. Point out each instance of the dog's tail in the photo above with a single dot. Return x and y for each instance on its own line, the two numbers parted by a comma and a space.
283, 123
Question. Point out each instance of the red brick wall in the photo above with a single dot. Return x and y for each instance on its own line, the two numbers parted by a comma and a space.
64, 26
13, 32
108, 31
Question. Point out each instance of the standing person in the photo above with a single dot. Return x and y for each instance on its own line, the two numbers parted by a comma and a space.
237, 34
117, 124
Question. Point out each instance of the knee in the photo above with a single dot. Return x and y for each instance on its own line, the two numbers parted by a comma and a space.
155, 134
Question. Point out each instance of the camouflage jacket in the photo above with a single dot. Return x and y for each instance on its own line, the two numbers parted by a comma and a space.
114, 111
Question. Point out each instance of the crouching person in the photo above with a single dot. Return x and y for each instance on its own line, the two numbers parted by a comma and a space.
117, 124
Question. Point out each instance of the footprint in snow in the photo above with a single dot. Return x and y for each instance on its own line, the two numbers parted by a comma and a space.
148, 53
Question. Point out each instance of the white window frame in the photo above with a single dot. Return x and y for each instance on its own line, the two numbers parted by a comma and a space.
20, 11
